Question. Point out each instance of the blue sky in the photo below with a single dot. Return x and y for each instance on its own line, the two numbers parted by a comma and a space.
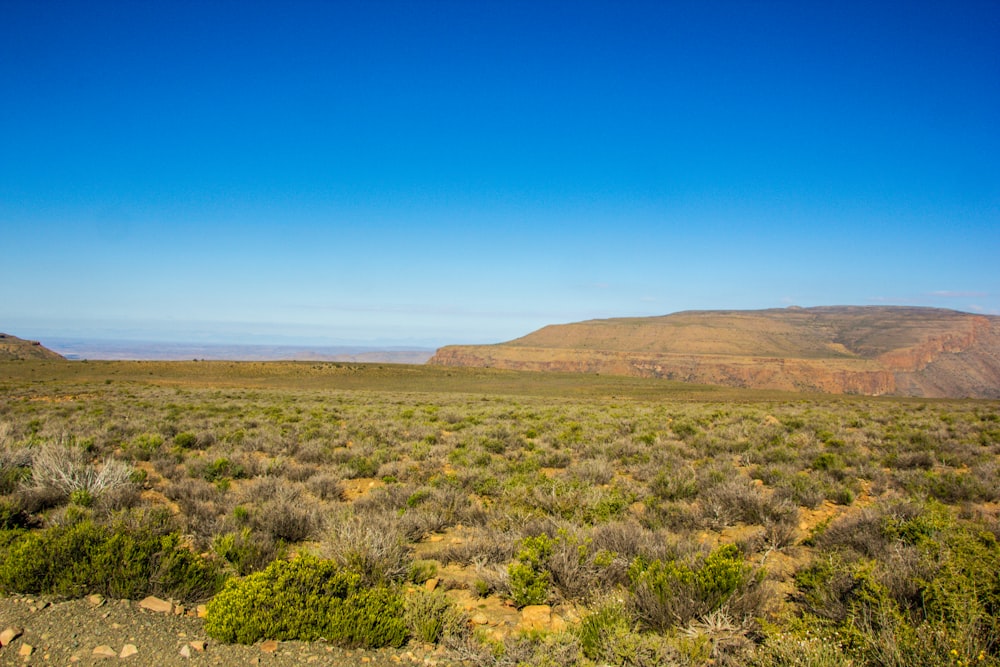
461, 172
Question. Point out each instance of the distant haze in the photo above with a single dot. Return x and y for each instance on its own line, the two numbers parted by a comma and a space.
166, 351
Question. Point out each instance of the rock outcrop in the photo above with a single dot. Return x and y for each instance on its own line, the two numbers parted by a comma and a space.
842, 350
12, 347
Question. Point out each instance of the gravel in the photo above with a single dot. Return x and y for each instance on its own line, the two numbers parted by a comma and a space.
68, 632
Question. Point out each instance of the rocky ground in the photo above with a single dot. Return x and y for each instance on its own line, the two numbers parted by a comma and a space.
94, 631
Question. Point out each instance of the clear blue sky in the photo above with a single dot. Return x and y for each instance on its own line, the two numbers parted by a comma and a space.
460, 172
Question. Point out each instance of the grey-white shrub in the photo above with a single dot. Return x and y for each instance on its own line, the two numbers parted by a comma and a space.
65, 470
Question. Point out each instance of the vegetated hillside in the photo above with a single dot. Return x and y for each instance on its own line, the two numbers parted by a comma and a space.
12, 347
871, 350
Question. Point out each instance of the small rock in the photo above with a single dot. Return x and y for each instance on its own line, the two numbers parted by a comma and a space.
185, 651
198, 645
179, 610
431, 584
270, 646
96, 599
10, 634
202, 611
153, 603
479, 618
104, 651
536, 617
26, 650
128, 651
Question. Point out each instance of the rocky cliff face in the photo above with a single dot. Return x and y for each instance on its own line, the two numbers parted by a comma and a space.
850, 350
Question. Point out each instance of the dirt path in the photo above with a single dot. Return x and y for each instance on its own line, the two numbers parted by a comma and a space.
68, 632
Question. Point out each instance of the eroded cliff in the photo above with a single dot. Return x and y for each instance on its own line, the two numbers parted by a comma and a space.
843, 350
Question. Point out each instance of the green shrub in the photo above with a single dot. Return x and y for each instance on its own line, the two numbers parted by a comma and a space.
431, 617
529, 576
186, 440
607, 636
128, 559
597, 629
421, 571
144, 446
669, 593
307, 599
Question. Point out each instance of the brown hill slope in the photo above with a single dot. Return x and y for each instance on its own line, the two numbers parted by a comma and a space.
12, 347
838, 349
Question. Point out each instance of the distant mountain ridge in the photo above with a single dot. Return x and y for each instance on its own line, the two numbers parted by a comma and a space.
872, 350
14, 348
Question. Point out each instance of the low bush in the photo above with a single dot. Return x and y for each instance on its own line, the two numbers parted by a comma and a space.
431, 617
529, 575
247, 551
130, 558
671, 593
307, 599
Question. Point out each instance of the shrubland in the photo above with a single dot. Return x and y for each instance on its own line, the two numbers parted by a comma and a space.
664, 526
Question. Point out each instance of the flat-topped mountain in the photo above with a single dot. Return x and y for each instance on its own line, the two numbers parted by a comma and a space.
12, 347
870, 350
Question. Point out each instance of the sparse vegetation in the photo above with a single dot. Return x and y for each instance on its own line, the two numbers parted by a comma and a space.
663, 524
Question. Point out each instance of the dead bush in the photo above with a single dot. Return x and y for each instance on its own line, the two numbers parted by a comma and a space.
740, 500
326, 486
284, 516
597, 471
370, 544
66, 471
481, 545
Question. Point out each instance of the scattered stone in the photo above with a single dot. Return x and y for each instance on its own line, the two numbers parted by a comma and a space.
536, 617
96, 599
153, 603
104, 651
26, 650
270, 646
431, 584
202, 610
128, 651
479, 618
10, 634
185, 651
198, 645
179, 610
